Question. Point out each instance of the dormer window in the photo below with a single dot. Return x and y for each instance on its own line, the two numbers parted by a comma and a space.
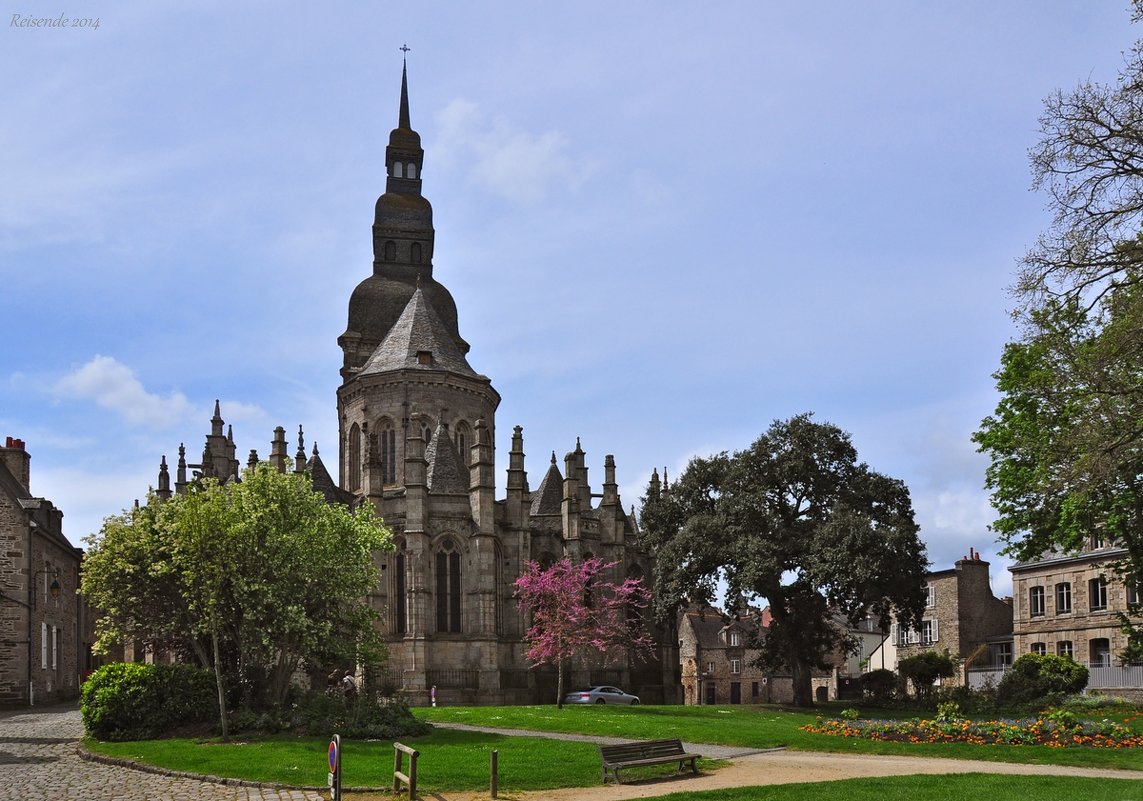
733, 639
425, 357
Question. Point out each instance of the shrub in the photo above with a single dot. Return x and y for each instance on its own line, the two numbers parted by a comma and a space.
371, 717
1041, 680
925, 668
880, 684
124, 701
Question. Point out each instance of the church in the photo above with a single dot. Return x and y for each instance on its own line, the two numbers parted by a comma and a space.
417, 434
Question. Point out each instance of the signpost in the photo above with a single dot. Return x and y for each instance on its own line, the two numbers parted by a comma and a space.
335, 768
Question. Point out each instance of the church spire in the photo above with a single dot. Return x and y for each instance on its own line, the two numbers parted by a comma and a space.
403, 116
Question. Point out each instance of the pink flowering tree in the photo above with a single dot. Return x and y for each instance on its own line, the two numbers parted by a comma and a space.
576, 612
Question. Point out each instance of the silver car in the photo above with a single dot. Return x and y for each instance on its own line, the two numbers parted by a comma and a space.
601, 695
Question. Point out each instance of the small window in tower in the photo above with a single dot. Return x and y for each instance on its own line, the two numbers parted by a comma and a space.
390, 250
425, 357
398, 169
412, 170
415, 252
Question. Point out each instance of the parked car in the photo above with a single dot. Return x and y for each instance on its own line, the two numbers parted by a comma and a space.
601, 695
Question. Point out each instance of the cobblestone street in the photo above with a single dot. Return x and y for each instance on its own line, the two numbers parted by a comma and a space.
39, 759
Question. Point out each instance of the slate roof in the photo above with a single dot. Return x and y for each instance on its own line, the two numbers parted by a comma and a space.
418, 330
446, 472
324, 483
549, 496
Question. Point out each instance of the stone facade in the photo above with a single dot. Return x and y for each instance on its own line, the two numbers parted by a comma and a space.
42, 627
962, 616
718, 664
1068, 605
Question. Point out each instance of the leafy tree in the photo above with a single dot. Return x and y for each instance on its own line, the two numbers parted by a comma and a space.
576, 612
797, 520
1066, 440
923, 669
247, 578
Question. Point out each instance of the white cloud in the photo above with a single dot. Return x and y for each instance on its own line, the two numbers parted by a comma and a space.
508, 161
113, 385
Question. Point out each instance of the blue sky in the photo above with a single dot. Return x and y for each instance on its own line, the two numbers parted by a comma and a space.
665, 224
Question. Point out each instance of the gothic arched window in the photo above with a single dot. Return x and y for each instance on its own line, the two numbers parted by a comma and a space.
463, 438
390, 250
398, 170
412, 170
426, 432
387, 443
353, 466
448, 588
415, 252
498, 559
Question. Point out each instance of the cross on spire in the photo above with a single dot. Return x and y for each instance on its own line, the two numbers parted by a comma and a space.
404, 48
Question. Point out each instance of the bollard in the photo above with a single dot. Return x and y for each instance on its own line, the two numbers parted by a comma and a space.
495, 776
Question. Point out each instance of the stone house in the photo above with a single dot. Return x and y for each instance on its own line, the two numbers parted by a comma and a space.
961, 616
42, 628
417, 435
717, 661
1069, 605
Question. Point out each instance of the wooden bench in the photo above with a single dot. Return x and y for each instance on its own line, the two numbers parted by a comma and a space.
645, 752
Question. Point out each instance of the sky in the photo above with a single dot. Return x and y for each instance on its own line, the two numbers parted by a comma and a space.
665, 224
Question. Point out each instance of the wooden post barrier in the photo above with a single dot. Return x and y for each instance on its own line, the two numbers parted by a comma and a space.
495, 782
399, 778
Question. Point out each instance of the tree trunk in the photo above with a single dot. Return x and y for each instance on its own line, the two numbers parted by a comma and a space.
560, 684
803, 687
218, 684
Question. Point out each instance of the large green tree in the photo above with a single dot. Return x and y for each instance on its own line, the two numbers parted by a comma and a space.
250, 578
1066, 439
797, 520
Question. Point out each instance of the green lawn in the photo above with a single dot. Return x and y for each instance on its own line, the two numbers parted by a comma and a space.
453, 760
758, 727
931, 788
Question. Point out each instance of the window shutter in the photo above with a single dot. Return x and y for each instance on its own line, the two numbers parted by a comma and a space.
934, 631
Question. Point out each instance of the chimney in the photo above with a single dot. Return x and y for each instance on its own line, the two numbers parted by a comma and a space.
17, 460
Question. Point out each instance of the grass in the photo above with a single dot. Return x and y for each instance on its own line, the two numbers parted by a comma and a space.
449, 760
759, 727
930, 788
455, 760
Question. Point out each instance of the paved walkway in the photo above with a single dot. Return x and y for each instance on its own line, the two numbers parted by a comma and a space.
39, 759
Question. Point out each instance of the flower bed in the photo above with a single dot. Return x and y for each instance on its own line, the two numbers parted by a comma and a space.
1055, 729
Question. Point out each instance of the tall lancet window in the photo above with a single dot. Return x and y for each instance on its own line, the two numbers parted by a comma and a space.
448, 588
415, 252
387, 442
412, 170
400, 602
390, 250
353, 467
463, 438
398, 169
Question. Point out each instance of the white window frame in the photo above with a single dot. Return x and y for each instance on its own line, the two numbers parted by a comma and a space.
1063, 598
1037, 603
1097, 594
733, 639
1038, 648
930, 596
929, 632
735, 666
1065, 648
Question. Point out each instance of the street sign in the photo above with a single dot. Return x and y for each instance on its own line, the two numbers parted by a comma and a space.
335, 768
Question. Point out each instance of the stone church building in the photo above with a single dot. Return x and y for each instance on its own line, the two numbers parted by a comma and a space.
417, 434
